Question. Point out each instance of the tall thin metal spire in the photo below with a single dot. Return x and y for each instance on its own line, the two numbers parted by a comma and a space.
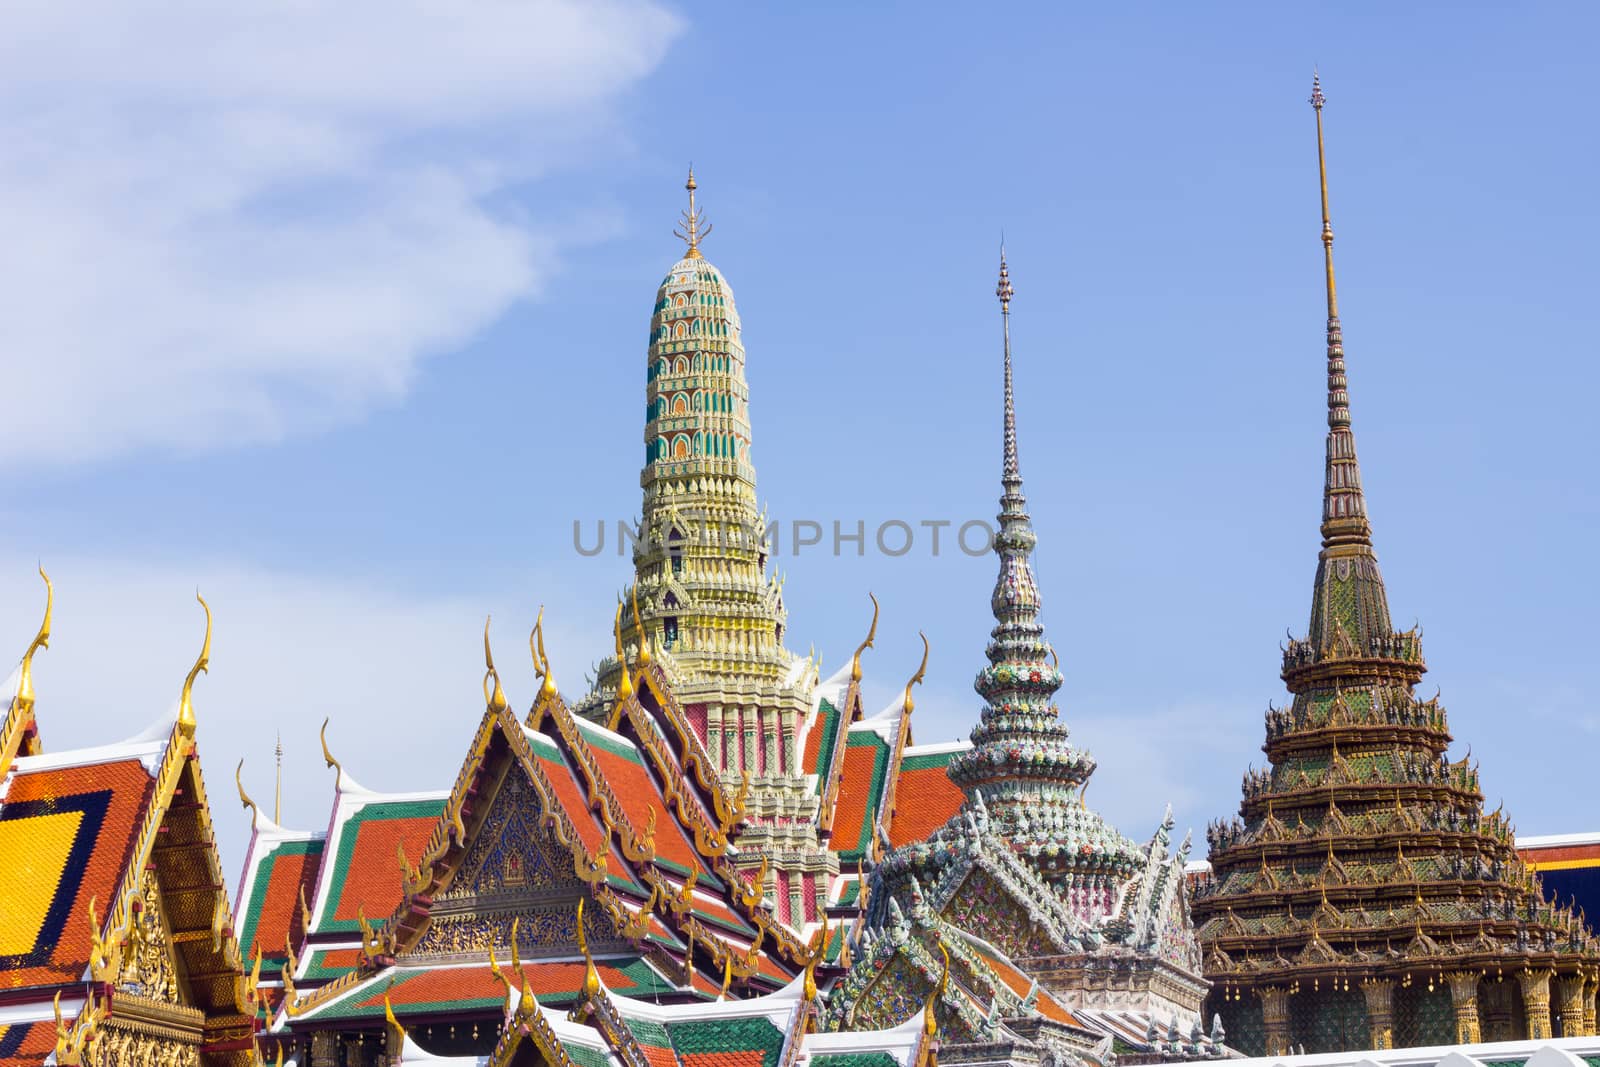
1005, 293
1344, 508
1349, 608
1317, 100
277, 792
1021, 770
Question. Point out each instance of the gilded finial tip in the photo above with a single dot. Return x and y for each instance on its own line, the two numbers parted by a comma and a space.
24, 694
186, 719
1317, 99
1004, 289
695, 228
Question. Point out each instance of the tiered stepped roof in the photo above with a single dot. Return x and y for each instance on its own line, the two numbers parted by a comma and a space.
1362, 861
116, 937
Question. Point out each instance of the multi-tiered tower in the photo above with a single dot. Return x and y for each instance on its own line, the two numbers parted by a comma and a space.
709, 612
1363, 898
1024, 879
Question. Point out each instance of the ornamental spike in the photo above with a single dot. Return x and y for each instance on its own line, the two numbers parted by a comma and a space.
493, 696
872, 633
24, 697
186, 720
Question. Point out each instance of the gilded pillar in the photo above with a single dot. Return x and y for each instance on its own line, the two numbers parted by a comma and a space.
1572, 988
1536, 1001
1498, 1012
324, 1049
1380, 1011
1591, 989
1464, 995
1275, 1016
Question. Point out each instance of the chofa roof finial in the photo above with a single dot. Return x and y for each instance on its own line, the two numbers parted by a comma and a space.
872, 633
24, 698
186, 720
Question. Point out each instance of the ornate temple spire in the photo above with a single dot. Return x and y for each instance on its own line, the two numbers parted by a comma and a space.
1357, 612
1016, 597
704, 602
1356, 756
1027, 774
693, 231
1344, 508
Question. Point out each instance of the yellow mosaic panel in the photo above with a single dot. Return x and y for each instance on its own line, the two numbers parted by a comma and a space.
33, 852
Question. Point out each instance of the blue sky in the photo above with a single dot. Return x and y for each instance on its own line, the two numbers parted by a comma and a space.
347, 325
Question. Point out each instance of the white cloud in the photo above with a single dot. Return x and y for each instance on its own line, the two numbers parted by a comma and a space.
398, 675
230, 222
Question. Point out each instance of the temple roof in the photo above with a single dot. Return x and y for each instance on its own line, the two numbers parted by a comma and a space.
360, 872
276, 886
111, 888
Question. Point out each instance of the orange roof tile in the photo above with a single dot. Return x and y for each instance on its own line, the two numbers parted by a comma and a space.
925, 799
635, 789
366, 870
65, 836
282, 875
860, 789
24, 1044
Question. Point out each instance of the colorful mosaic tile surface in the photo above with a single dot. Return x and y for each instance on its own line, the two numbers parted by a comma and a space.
289, 870
866, 759
25, 1044
819, 740
366, 870
65, 835
925, 798
624, 770
474, 990
727, 1042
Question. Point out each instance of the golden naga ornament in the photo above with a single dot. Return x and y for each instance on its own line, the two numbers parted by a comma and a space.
24, 696
640, 848
638, 626
637, 925
683, 899
731, 813
752, 895
591, 976
872, 633
541, 662
493, 697
624, 683
186, 720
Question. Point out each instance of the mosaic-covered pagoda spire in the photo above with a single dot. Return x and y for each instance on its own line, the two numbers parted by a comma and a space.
1050, 888
702, 605
1021, 767
1362, 898
703, 592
